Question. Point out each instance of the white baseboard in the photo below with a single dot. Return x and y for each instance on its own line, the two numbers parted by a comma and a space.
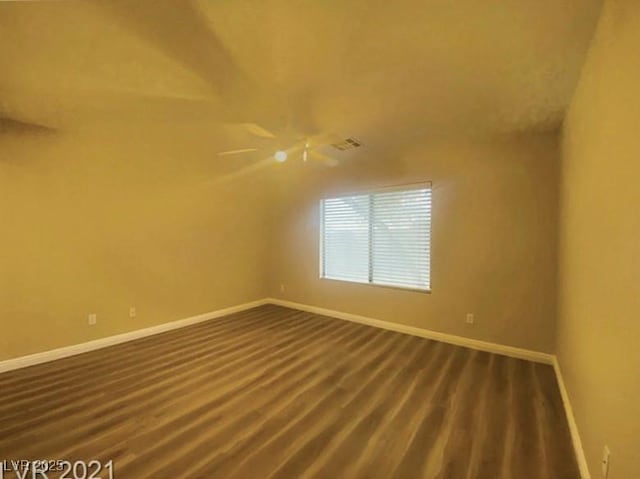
423, 333
573, 426
38, 358
535, 356
46, 356
59, 353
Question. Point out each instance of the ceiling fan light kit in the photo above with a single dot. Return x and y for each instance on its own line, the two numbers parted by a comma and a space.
280, 156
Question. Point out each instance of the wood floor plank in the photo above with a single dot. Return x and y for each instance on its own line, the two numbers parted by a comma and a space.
278, 393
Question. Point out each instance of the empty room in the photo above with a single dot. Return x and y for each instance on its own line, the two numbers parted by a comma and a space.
320, 239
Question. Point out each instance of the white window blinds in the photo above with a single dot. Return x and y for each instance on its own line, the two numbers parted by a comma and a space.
346, 238
380, 238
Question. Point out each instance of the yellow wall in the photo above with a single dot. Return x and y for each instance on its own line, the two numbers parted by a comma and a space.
139, 216
100, 220
599, 326
493, 235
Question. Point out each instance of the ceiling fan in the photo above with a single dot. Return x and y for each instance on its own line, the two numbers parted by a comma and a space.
304, 148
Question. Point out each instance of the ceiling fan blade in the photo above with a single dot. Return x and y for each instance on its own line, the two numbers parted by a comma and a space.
327, 160
258, 131
237, 152
322, 139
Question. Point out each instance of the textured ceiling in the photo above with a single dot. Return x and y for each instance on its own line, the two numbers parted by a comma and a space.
383, 71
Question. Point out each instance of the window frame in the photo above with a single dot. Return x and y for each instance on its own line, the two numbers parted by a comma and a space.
370, 192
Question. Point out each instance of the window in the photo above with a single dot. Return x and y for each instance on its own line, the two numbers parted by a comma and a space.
381, 238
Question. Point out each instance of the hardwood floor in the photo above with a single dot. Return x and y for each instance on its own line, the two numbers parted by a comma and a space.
278, 393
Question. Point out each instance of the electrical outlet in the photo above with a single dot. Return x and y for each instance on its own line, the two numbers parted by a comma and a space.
470, 318
606, 453
93, 319
132, 312
282, 288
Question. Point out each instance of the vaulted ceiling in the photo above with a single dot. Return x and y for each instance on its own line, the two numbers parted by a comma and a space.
383, 71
